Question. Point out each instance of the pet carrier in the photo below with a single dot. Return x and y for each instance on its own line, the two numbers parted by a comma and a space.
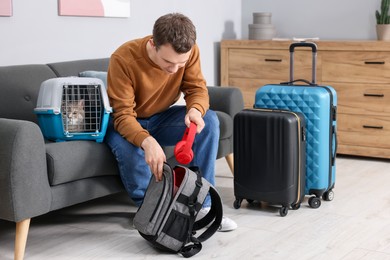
73, 108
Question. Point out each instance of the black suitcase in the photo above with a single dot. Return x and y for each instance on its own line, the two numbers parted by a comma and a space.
269, 157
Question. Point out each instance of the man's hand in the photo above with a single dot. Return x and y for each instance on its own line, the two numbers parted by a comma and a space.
194, 115
154, 156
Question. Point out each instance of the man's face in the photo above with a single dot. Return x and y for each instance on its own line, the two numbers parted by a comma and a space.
169, 60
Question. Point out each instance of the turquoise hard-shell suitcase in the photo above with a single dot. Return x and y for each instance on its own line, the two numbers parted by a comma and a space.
319, 105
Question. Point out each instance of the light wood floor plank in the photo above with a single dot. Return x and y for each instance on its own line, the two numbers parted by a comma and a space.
355, 225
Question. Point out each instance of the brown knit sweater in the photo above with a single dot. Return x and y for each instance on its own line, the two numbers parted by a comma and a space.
137, 87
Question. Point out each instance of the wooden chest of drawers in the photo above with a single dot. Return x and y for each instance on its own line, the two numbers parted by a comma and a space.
358, 70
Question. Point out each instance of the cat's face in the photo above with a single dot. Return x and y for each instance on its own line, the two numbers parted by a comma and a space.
74, 114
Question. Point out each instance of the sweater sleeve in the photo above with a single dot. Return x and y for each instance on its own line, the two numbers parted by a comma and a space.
121, 94
194, 85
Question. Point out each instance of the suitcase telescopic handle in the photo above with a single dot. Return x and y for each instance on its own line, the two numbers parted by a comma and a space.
313, 47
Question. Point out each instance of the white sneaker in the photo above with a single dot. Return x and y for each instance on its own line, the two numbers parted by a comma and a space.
227, 224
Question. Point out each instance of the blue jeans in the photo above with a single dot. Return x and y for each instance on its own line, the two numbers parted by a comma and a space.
167, 128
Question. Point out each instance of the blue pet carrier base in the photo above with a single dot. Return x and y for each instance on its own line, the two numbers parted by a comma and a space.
61, 100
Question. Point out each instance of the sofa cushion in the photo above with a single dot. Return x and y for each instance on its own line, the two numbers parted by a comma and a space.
225, 125
19, 90
102, 75
75, 160
72, 68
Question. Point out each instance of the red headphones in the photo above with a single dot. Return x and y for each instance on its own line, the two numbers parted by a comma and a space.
183, 151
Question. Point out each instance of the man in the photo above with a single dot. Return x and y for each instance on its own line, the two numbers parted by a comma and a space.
145, 77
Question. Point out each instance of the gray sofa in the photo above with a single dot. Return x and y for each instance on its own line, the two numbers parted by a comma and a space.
38, 176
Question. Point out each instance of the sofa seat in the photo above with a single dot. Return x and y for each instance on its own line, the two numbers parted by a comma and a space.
75, 160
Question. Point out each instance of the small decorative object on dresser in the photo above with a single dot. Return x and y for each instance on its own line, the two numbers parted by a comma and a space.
358, 70
262, 28
383, 21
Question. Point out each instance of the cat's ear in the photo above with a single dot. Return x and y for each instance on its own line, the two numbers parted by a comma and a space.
81, 102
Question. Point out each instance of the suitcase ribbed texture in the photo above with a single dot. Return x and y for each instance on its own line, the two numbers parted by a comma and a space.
269, 157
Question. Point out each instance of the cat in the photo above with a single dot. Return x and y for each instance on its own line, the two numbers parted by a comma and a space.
73, 115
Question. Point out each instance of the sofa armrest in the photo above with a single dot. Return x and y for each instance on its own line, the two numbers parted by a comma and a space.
226, 99
24, 185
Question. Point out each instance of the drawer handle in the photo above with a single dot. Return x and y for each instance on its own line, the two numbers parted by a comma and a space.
374, 62
373, 126
373, 95
273, 60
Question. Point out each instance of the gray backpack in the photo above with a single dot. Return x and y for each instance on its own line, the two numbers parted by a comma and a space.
167, 215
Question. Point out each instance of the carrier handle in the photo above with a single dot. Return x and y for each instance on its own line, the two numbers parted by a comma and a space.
313, 47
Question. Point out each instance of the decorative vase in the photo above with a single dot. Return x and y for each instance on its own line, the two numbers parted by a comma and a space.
383, 32
261, 31
262, 28
262, 18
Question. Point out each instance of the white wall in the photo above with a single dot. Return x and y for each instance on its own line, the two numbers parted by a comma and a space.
36, 34
326, 19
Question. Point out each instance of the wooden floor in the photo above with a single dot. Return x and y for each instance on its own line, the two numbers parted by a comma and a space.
355, 225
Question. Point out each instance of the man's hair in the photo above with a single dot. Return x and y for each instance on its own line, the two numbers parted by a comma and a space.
175, 29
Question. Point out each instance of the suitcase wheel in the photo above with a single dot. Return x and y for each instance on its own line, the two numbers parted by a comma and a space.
295, 206
314, 202
283, 211
328, 195
237, 203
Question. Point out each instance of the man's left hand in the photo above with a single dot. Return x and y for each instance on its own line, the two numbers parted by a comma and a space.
194, 115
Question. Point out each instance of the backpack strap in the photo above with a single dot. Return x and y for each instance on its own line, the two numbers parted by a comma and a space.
191, 249
215, 213
192, 201
194, 245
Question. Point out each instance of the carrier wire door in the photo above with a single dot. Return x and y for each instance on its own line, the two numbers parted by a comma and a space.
73, 108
